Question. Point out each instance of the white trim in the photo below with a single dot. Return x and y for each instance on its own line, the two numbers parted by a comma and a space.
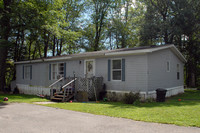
94, 66
43, 60
116, 70
178, 53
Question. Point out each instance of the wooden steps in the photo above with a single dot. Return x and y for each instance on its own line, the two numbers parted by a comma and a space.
59, 97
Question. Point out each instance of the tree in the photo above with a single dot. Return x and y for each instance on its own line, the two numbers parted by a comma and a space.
5, 29
100, 8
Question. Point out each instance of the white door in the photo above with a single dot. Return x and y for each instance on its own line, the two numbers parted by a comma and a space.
89, 68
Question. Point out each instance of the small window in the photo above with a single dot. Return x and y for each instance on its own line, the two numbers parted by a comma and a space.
178, 72
168, 66
61, 68
116, 69
27, 72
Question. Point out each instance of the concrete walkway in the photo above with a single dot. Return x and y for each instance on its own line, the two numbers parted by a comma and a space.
27, 118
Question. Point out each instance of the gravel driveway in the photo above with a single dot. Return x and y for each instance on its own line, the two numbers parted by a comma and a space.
28, 118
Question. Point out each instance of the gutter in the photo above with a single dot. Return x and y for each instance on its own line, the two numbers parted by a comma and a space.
43, 60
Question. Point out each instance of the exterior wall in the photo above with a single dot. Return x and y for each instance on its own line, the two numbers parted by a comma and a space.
76, 66
135, 73
158, 76
40, 72
40, 75
144, 73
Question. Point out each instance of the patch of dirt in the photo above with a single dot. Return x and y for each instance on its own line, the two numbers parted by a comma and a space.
44, 102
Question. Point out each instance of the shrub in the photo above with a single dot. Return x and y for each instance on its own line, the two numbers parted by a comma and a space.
16, 91
112, 97
130, 98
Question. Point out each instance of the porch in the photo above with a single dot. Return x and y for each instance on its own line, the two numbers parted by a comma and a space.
76, 88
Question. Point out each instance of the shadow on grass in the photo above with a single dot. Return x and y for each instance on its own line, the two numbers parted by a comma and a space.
189, 98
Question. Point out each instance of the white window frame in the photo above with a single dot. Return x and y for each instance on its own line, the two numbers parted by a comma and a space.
27, 77
168, 66
116, 69
94, 66
57, 71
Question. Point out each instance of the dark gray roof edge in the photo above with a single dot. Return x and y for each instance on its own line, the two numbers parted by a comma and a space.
96, 53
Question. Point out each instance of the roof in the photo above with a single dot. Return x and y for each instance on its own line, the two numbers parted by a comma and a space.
108, 53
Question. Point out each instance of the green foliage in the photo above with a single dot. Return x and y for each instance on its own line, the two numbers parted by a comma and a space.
10, 70
130, 98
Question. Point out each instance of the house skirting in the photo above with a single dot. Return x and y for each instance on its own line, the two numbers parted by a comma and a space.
147, 95
33, 90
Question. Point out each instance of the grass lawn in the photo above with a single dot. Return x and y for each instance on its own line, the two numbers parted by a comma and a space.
184, 113
20, 98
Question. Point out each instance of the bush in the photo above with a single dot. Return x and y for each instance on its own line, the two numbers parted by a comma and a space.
16, 91
130, 98
112, 97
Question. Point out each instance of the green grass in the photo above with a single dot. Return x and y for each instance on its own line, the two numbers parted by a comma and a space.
184, 113
20, 98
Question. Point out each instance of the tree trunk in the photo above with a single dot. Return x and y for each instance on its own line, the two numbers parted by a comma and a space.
46, 44
191, 76
16, 46
61, 43
33, 57
3, 56
29, 50
5, 26
57, 41
54, 45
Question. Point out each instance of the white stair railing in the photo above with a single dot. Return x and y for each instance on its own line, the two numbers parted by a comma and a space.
64, 86
54, 83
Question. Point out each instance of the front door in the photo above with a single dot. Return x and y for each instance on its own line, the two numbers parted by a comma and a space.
89, 68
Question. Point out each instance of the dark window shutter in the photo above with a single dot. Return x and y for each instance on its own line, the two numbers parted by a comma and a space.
123, 69
109, 69
64, 70
31, 72
23, 71
49, 71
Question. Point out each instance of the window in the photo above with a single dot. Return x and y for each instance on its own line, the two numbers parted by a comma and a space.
178, 72
168, 66
117, 69
54, 71
57, 71
61, 69
27, 72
